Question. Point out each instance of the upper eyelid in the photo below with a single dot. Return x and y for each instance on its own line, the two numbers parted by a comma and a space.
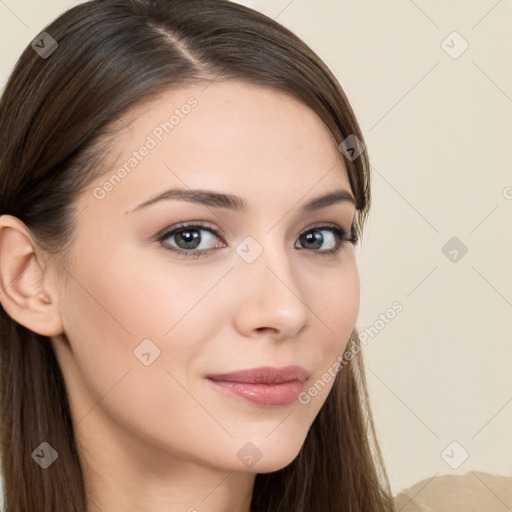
204, 225
342, 233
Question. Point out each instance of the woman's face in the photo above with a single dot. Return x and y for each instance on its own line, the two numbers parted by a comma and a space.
144, 325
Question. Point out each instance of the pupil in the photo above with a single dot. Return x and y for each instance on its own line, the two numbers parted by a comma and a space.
189, 237
315, 236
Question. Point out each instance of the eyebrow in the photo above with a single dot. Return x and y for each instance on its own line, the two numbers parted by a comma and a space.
236, 203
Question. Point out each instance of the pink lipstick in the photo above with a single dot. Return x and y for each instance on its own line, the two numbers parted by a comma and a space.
266, 386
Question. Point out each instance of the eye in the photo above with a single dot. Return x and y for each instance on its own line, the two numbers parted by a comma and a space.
314, 239
188, 241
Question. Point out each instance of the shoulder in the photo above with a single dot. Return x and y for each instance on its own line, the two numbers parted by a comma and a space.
474, 491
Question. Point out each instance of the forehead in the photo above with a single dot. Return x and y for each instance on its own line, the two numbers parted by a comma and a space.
231, 136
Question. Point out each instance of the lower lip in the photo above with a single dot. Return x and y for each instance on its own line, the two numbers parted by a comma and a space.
262, 394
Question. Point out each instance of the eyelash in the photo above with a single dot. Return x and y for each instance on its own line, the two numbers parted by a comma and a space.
340, 233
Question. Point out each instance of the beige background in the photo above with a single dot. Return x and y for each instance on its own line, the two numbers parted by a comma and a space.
439, 134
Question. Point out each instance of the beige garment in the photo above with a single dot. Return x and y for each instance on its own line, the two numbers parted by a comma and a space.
474, 491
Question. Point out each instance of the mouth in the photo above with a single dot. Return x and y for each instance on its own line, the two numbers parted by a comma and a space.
265, 386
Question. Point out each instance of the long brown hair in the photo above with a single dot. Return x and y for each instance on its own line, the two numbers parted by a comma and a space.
56, 117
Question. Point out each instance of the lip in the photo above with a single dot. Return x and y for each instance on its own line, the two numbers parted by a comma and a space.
266, 385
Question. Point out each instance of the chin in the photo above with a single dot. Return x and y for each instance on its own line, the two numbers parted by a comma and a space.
271, 466
273, 458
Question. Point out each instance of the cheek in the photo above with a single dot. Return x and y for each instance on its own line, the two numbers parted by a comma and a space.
335, 303
335, 298
112, 308
109, 310
341, 302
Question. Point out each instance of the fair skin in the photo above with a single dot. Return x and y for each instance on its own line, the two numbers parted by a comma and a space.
160, 438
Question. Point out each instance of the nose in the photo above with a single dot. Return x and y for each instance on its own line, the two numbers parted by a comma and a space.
269, 299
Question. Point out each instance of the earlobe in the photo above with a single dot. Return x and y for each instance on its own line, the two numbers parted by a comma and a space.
25, 294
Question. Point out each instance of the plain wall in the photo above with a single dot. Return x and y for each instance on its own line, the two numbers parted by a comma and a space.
438, 129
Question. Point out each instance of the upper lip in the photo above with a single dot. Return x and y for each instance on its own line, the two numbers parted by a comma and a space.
264, 375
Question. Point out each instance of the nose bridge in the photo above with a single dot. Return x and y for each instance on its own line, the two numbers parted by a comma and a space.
267, 260
270, 295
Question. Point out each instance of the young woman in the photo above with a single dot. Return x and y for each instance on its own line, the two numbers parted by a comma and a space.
183, 183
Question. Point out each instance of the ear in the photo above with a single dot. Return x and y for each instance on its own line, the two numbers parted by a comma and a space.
26, 291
